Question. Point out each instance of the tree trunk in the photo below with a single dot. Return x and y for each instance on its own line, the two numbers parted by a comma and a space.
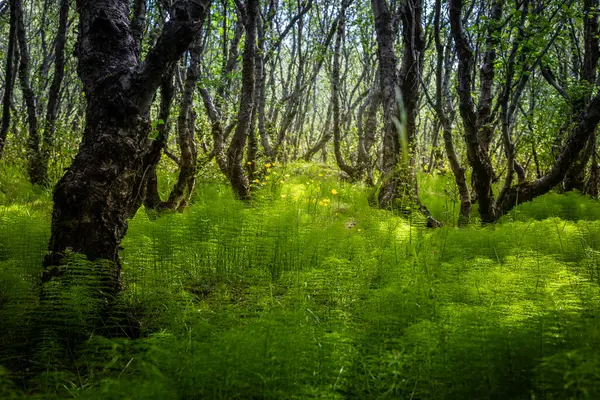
9, 78
335, 98
103, 187
33, 143
54, 93
235, 153
399, 188
186, 181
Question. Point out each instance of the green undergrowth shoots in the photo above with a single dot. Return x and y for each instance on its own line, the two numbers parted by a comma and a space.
308, 292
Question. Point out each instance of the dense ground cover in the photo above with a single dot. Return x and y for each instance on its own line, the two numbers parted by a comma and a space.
311, 293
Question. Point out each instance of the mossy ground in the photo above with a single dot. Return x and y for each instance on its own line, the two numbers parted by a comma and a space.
309, 292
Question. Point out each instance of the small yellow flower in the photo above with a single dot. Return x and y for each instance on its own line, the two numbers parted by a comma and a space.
283, 196
268, 165
282, 182
264, 182
287, 175
256, 181
358, 230
333, 192
321, 203
249, 162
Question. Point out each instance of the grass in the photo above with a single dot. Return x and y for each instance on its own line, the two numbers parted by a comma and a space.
306, 294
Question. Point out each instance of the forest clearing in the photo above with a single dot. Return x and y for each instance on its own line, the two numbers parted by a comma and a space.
299, 199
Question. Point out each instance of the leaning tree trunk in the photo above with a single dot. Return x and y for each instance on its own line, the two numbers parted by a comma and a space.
102, 189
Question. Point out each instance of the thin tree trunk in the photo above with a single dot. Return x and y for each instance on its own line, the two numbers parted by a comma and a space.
9, 77
33, 143
235, 153
54, 93
186, 181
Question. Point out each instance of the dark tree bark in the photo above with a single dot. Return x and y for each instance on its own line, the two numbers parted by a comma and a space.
54, 93
152, 200
399, 188
445, 113
33, 143
138, 25
103, 187
184, 187
9, 77
575, 178
235, 153
476, 125
511, 195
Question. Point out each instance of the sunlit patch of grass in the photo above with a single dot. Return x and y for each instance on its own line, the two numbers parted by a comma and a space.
309, 292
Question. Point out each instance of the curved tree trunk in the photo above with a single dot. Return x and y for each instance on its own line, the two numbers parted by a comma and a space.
186, 181
103, 187
235, 154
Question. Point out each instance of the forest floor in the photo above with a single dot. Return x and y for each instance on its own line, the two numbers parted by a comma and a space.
310, 293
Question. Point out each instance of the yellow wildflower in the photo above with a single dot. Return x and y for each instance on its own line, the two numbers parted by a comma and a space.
333, 192
268, 165
283, 196
256, 181
358, 230
282, 182
249, 162
287, 175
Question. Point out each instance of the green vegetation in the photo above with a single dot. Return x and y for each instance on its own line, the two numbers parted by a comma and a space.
309, 292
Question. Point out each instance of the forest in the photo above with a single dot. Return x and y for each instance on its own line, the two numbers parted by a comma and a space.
299, 199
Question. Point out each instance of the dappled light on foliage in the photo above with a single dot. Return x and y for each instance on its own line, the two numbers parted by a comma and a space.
283, 298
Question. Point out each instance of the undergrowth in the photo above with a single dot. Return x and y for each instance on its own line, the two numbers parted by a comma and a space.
309, 292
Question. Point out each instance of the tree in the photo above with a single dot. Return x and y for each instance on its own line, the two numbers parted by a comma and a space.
102, 188
479, 127
399, 133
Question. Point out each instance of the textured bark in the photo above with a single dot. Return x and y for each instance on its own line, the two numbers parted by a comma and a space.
33, 142
235, 154
388, 82
477, 151
585, 125
9, 78
54, 94
575, 178
186, 181
103, 187
138, 25
152, 200
399, 188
